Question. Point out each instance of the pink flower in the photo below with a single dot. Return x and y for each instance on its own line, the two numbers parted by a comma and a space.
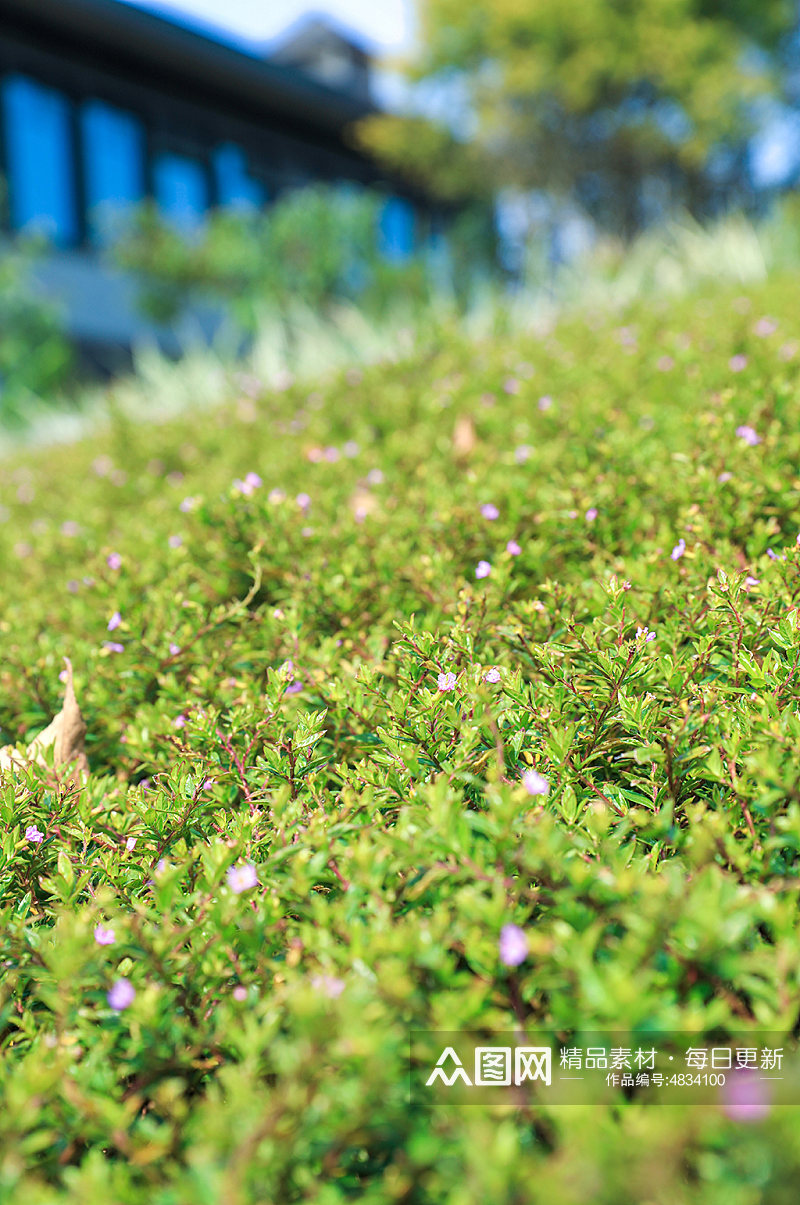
121, 995
114, 622
535, 783
187, 505
104, 936
175, 541
765, 327
239, 992
745, 1097
723, 477
737, 363
679, 549
665, 364
446, 682
375, 477
113, 560
749, 435
749, 582
331, 455
511, 385
303, 501
545, 402
330, 985
179, 721
253, 480
242, 878
490, 511
492, 675
522, 453
113, 646
483, 569
174, 649
513, 945
33, 835
645, 634
513, 548
130, 844
591, 514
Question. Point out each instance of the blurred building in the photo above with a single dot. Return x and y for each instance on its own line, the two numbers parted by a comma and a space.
104, 105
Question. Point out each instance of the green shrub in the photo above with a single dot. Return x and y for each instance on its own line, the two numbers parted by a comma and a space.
259, 602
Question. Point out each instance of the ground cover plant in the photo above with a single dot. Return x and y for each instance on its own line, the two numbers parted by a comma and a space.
503, 634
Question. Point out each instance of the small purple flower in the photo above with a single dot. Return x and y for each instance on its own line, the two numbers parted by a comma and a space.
513, 945
121, 995
678, 550
113, 646
492, 675
32, 834
130, 844
179, 721
737, 363
174, 649
483, 569
665, 364
331, 454
645, 634
511, 385
303, 501
187, 505
749, 435
522, 453
175, 541
294, 688
591, 514
70, 528
490, 511
242, 878
745, 1097
239, 993
114, 622
253, 480
104, 936
723, 477
113, 560
765, 327
330, 985
375, 477
513, 548
545, 402
446, 682
750, 581
773, 556
535, 783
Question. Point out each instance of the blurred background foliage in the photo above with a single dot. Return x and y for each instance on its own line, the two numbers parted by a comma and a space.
592, 101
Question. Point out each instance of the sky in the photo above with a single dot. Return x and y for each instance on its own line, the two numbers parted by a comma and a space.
387, 24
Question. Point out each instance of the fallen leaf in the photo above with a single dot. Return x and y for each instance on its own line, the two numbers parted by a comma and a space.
66, 734
464, 437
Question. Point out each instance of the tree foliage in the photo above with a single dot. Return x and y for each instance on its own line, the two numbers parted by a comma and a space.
592, 98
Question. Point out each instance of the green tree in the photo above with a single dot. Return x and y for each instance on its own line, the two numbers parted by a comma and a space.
590, 98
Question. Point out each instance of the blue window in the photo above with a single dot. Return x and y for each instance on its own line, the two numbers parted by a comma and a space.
181, 188
114, 156
397, 229
234, 187
41, 172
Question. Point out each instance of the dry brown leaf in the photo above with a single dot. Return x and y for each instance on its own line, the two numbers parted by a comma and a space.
464, 437
66, 734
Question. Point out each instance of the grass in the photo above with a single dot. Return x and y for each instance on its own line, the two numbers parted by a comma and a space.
269, 699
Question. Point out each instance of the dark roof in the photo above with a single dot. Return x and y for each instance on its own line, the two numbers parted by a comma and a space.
155, 48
